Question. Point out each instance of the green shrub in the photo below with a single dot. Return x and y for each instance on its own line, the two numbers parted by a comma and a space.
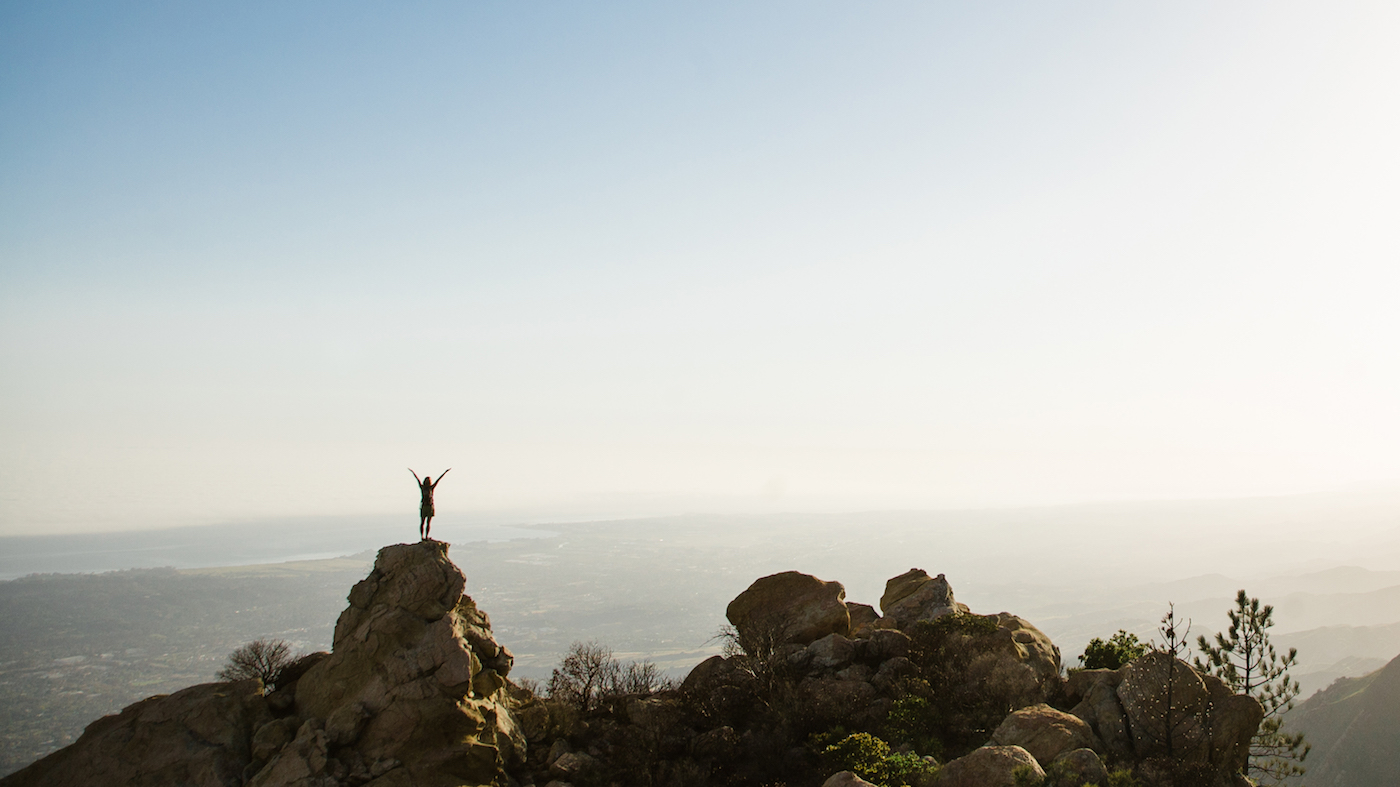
861, 753
1120, 649
871, 759
911, 720
902, 770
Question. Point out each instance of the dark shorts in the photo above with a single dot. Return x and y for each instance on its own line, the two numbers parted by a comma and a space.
426, 510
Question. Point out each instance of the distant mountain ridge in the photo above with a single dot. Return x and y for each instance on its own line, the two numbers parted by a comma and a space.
1354, 728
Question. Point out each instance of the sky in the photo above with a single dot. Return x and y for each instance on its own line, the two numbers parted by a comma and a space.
256, 259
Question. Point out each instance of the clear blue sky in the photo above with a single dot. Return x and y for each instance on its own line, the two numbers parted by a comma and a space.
256, 258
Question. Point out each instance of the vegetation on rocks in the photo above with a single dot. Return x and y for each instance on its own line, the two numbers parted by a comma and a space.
1112, 653
1243, 657
262, 658
808, 690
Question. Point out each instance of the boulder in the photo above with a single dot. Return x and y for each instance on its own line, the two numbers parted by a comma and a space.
197, 737
790, 607
1027, 645
307, 758
721, 743
884, 644
863, 617
989, 766
891, 672
1079, 681
1143, 695
272, 736
914, 596
1101, 710
1085, 766
830, 652
571, 764
1210, 726
846, 779
1044, 732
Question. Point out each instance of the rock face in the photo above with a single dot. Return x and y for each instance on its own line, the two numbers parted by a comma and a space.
196, 737
414, 676
414, 692
790, 607
989, 766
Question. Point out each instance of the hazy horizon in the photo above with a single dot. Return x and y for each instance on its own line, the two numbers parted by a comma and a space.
255, 261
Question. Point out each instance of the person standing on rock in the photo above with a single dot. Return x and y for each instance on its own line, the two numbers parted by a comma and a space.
426, 485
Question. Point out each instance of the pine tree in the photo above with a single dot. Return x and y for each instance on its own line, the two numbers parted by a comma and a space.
1244, 658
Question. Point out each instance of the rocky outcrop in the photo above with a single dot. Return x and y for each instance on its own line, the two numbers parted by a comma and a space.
196, 737
914, 596
790, 607
413, 682
414, 692
1206, 727
989, 766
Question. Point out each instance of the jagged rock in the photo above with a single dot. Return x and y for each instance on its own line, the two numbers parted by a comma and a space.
406, 679
989, 766
790, 607
1086, 766
914, 596
1234, 720
1079, 682
831, 652
570, 764
846, 779
272, 736
197, 737
304, 760
557, 750
1101, 711
1044, 732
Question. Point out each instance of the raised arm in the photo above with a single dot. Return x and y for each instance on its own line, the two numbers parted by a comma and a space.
440, 475
415, 477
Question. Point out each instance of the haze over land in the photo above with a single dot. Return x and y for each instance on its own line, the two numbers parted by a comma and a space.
1088, 307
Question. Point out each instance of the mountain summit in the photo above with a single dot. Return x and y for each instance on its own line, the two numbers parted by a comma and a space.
412, 693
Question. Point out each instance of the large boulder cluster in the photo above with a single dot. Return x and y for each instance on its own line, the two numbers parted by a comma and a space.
415, 693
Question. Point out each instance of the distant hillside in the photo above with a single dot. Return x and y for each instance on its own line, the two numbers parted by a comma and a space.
1354, 728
